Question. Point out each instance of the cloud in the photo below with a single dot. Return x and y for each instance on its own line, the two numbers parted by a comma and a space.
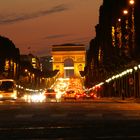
56, 36
79, 40
16, 18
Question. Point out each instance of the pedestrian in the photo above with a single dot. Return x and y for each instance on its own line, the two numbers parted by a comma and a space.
123, 94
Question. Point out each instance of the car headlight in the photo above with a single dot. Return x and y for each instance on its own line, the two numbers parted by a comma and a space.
1, 95
38, 98
58, 95
14, 96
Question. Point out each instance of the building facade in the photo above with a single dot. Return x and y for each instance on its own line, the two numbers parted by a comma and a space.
117, 40
9, 59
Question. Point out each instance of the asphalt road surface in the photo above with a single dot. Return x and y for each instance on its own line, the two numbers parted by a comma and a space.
70, 120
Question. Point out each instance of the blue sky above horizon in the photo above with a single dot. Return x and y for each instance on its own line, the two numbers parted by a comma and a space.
39, 24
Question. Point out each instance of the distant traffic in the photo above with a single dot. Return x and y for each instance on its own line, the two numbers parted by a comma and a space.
63, 89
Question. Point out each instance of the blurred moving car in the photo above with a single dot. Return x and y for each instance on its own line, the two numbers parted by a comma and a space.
34, 97
50, 93
69, 94
8, 89
89, 94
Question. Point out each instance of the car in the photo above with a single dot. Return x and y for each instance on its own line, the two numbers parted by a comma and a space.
89, 94
50, 94
79, 95
69, 94
8, 89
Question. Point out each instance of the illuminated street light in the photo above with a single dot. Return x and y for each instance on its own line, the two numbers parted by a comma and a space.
132, 2
125, 12
119, 19
119, 33
125, 43
135, 68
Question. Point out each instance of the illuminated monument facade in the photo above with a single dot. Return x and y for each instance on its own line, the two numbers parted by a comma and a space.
69, 59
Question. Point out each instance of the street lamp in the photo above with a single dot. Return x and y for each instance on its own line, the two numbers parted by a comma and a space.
119, 34
125, 12
131, 2
119, 19
125, 39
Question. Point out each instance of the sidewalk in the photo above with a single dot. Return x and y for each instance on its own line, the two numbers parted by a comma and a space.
117, 99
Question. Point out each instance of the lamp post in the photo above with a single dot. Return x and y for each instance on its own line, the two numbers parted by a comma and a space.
119, 35
125, 33
131, 3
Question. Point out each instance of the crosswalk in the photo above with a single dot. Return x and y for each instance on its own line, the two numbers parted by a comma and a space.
69, 111
75, 116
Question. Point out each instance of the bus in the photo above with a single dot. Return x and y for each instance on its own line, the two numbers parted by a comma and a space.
8, 89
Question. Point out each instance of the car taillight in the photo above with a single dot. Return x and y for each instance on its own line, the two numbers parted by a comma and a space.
95, 96
78, 96
92, 94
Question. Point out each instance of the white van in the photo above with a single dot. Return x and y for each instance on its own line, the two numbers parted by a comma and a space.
8, 89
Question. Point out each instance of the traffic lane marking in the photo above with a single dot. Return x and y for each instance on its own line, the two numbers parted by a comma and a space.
24, 116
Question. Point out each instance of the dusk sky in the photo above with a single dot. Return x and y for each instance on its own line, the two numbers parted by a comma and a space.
35, 25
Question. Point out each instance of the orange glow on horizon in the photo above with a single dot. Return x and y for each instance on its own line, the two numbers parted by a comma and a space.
41, 24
